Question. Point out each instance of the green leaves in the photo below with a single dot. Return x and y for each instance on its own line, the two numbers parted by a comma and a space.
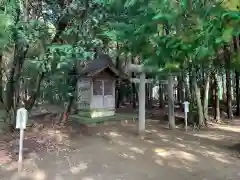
165, 34
6, 23
202, 52
195, 31
163, 17
227, 34
130, 3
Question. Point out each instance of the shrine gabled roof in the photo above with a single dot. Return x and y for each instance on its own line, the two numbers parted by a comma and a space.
99, 64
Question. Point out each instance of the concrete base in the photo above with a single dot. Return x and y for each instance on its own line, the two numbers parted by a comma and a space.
96, 113
106, 119
102, 113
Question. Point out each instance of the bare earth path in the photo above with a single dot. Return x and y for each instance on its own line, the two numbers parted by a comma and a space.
113, 152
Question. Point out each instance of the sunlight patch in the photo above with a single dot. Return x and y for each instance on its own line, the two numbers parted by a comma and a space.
218, 157
87, 178
159, 162
162, 135
165, 140
154, 130
39, 175
181, 145
229, 128
216, 137
122, 142
180, 139
185, 155
174, 165
150, 141
77, 169
114, 134
175, 154
126, 156
161, 152
58, 177
137, 150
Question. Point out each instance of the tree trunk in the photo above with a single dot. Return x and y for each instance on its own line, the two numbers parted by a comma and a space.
190, 88
237, 93
1, 83
228, 83
146, 96
206, 95
73, 83
118, 94
160, 96
134, 96
224, 94
197, 90
187, 90
67, 109
237, 50
150, 96
118, 83
29, 103
11, 73
11, 68
133, 88
216, 98
203, 84
181, 91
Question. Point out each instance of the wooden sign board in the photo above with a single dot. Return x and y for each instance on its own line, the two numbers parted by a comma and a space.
137, 80
83, 94
186, 106
21, 120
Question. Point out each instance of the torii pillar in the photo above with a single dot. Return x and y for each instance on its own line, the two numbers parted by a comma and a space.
141, 114
142, 102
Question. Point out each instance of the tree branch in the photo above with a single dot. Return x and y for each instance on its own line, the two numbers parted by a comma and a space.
31, 101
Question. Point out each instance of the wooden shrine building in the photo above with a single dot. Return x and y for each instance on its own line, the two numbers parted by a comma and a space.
96, 87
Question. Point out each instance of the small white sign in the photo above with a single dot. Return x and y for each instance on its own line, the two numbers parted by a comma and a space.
21, 122
186, 106
22, 117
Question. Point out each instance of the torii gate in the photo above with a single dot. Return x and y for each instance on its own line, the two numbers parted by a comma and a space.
142, 80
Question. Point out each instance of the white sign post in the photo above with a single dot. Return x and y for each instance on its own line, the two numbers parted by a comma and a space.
186, 110
21, 121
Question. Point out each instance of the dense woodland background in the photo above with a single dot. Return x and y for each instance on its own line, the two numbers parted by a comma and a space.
43, 44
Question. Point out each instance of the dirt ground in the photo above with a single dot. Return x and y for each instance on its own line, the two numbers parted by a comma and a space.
114, 152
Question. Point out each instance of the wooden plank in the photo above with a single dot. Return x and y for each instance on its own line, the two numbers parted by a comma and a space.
140, 68
137, 80
166, 82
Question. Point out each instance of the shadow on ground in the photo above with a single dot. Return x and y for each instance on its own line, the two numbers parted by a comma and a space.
115, 152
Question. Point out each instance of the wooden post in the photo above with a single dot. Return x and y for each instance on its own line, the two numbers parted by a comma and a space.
186, 110
20, 153
142, 101
171, 115
21, 121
